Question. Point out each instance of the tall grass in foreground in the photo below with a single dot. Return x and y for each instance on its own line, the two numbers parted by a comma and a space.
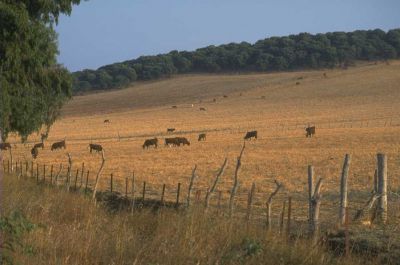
69, 229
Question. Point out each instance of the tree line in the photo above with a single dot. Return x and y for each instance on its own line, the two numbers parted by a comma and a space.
301, 51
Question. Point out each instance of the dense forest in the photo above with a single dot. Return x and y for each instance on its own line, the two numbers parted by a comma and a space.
302, 51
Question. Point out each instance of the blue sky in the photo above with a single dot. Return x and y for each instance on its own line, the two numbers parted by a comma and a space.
100, 32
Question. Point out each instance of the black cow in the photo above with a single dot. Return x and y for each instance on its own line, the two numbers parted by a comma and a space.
58, 145
34, 152
150, 142
170, 129
39, 145
182, 140
174, 107
95, 147
249, 135
5, 146
225, 96
202, 137
310, 131
43, 136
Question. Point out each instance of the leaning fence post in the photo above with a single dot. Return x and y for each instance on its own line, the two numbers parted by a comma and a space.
178, 195
235, 181
343, 189
269, 203
382, 188
315, 206
217, 177
376, 181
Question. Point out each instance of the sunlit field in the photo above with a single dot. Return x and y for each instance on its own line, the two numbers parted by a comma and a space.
355, 111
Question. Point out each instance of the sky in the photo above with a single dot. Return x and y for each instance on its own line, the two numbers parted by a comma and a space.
101, 32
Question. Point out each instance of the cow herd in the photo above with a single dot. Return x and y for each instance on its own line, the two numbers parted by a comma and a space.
153, 142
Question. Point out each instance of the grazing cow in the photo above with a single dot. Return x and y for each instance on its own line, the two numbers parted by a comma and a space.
34, 152
202, 137
150, 142
182, 140
310, 131
39, 145
225, 96
171, 141
170, 129
214, 100
249, 135
174, 107
58, 145
5, 146
43, 136
297, 83
95, 147
203, 109
325, 75
107, 121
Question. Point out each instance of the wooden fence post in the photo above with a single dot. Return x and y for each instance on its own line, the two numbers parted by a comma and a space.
103, 160
82, 172
343, 189
382, 188
44, 173
26, 168
76, 178
126, 187
133, 191
37, 173
51, 174
178, 193
282, 217
144, 192
8, 166
315, 209
58, 174
111, 182
87, 180
289, 218
69, 171
250, 201
310, 191
191, 186
162, 194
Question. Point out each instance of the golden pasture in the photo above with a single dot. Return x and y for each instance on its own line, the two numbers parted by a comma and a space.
355, 111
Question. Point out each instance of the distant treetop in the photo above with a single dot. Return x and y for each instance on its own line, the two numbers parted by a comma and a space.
302, 51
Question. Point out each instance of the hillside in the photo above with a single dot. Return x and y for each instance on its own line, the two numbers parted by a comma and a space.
294, 52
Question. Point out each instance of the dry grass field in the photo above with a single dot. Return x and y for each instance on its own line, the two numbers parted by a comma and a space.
355, 111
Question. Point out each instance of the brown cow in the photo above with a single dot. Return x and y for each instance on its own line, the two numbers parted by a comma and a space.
34, 152
95, 147
107, 121
43, 136
249, 135
5, 146
39, 145
150, 142
170, 129
174, 107
202, 137
58, 145
310, 131
182, 140
171, 141
203, 109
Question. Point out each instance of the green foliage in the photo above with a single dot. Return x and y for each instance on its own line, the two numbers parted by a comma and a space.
273, 54
12, 229
33, 86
